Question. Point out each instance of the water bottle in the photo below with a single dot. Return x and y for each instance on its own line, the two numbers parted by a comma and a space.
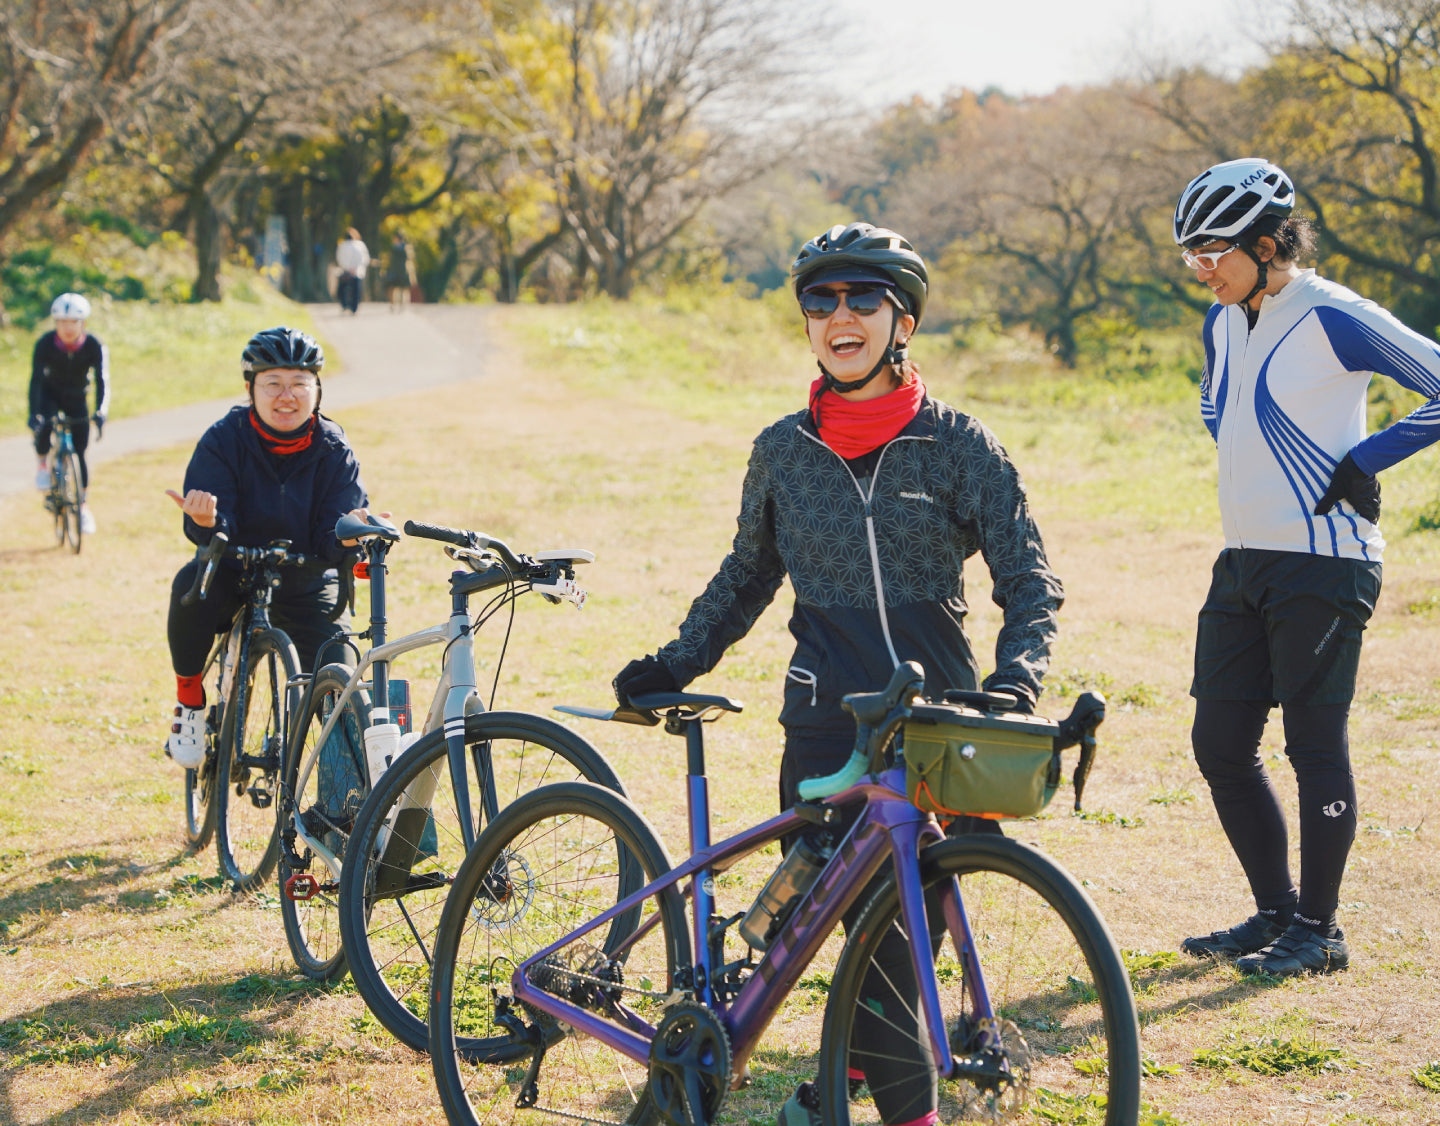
382, 747
795, 876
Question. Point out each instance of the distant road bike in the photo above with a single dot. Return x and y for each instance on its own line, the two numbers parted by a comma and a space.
568, 985
67, 493
369, 854
232, 793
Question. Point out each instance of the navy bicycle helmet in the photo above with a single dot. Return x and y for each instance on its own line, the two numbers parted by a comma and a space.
281, 347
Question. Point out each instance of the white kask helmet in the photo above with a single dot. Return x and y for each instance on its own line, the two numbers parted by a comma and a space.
1223, 201
70, 307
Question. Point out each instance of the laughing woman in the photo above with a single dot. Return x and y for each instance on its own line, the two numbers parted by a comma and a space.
870, 498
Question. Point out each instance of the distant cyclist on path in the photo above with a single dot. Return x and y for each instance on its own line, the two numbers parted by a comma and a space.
275, 469
1288, 359
67, 361
870, 498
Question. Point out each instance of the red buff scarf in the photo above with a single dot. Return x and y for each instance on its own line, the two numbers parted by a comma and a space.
71, 349
278, 443
854, 429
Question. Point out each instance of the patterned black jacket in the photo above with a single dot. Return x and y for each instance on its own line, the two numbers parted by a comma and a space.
876, 565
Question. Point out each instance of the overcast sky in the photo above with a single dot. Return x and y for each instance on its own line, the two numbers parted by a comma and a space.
1032, 46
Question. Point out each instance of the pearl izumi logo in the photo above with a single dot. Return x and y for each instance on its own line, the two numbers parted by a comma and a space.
1335, 809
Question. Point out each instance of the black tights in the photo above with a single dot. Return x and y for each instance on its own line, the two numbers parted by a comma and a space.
1226, 738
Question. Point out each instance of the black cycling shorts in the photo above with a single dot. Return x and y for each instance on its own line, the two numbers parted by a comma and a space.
1283, 626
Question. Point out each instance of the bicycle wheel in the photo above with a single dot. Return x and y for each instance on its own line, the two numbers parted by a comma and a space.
407, 845
1057, 985
250, 758
333, 794
549, 862
67, 481
201, 792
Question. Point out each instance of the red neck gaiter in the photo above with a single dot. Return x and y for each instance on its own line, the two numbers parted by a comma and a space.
71, 348
854, 429
278, 443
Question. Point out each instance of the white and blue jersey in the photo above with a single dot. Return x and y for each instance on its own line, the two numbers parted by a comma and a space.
1285, 401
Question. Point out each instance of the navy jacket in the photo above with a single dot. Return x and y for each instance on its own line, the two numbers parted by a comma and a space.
876, 564
263, 497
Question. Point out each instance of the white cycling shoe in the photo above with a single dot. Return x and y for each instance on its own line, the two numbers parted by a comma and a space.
186, 744
87, 522
42, 479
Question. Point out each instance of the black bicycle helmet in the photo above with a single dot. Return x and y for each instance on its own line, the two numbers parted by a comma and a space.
872, 249
281, 347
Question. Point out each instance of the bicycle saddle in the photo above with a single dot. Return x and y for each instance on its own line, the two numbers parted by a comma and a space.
647, 709
349, 528
871, 708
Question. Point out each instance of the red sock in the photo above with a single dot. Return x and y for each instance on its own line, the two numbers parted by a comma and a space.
190, 691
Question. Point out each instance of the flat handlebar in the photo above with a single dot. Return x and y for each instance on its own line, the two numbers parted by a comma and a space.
474, 540
275, 555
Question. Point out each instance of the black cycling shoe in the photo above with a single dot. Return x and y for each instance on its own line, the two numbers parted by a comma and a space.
1299, 950
1253, 935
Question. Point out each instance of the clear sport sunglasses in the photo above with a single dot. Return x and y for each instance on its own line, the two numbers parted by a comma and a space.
1207, 260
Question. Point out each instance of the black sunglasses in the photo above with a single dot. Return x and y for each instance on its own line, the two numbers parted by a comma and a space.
862, 300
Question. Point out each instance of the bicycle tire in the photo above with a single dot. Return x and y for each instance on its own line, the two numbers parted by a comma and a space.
389, 927
1078, 1035
312, 927
72, 496
202, 791
559, 869
246, 829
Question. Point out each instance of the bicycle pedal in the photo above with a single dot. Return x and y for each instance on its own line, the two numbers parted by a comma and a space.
301, 887
261, 799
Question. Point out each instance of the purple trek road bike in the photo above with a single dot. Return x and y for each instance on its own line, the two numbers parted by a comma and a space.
568, 984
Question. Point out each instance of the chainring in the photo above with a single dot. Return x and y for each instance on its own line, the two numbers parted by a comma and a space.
689, 1063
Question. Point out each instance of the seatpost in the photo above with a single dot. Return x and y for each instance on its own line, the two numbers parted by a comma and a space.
697, 792
380, 670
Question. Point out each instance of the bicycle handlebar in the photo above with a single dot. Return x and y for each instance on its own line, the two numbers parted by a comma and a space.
473, 540
274, 555
880, 714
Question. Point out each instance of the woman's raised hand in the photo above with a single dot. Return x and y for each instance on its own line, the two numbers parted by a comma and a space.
197, 504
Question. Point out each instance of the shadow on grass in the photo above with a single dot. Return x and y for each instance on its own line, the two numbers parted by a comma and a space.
75, 880
153, 1042
1156, 994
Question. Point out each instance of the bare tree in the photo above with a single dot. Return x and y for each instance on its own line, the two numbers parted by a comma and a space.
70, 71
650, 109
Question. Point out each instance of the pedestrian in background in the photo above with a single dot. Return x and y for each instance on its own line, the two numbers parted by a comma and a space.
353, 258
400, 272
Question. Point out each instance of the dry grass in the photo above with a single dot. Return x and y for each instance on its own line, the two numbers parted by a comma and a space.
133, 990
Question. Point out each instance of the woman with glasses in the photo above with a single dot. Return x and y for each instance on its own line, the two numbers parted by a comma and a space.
870, 498
275, 468
1288, 360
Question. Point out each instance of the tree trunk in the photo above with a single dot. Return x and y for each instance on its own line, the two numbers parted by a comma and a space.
209, 249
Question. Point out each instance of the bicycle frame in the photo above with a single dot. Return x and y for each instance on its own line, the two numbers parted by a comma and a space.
888, 826
456, 696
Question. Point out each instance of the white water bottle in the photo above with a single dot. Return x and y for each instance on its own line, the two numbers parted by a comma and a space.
382, 747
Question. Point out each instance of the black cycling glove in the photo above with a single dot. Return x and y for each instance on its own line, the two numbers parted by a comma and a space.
1023, 703
1351, 483
99, 421
639, 678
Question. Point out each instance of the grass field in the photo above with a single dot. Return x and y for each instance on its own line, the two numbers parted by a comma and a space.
161, 355
134, 990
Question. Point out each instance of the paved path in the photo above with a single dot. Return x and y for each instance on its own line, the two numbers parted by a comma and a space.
384, 354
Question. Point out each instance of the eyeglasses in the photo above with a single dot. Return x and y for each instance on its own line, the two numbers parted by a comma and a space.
274, 388
1208, 260
862, 300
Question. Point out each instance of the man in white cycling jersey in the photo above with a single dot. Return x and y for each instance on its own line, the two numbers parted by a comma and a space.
1288, 360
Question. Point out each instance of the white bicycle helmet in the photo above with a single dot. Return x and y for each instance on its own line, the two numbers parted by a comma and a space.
1223, 201
70, 307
